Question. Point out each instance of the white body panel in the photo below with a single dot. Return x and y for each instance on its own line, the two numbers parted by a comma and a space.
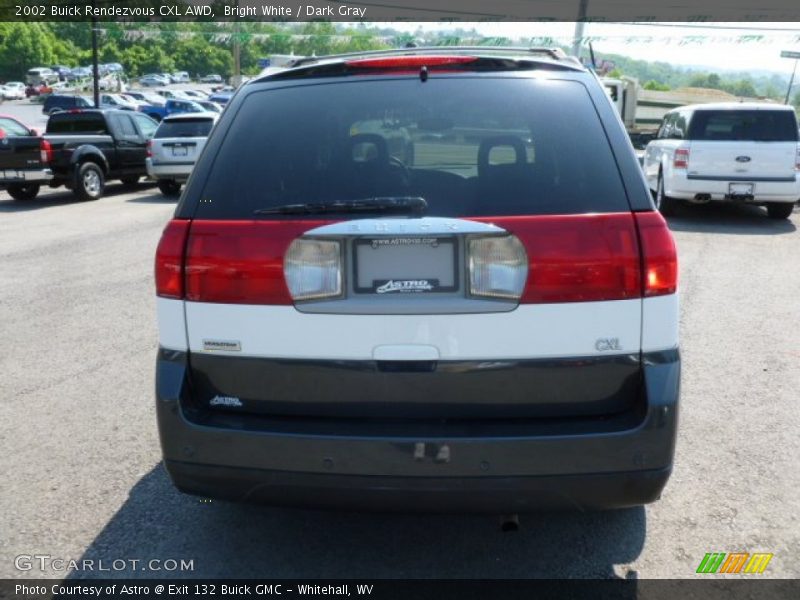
171, 324
530, 331
660, 318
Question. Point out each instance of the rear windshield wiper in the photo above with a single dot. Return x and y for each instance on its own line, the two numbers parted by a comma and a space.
383, 205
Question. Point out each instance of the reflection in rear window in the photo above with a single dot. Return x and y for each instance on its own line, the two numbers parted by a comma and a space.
184, 128
471, 146
744, 125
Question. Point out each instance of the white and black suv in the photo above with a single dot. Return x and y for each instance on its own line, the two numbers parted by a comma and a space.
728, 151
469, 304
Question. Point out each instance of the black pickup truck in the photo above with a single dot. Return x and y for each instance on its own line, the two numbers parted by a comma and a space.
24, 159
85, 148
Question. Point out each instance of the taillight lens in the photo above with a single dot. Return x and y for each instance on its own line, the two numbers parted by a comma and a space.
240, 262
169, 259
313, 269
660, 258
45, 152
149, 149
498, 267
406, 62
681, 158
577, 258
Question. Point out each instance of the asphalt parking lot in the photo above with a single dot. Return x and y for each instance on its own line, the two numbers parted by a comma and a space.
81, 460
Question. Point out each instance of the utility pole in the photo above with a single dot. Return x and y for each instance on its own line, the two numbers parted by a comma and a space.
95, 70
796, 56
237, 51
791, 83
579, 27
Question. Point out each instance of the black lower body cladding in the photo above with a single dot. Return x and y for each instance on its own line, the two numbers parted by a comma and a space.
431, 465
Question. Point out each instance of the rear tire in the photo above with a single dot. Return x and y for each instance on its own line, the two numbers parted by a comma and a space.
780, 210
169, 187
90, 182
23, 192
664, 204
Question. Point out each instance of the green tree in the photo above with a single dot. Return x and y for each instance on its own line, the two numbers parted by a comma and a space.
656, 86
24, 46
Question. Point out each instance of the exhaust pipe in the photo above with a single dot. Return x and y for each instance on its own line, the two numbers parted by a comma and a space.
509, 523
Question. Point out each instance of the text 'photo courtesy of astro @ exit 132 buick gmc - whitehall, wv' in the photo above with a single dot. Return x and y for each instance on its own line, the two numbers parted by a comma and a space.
391, 298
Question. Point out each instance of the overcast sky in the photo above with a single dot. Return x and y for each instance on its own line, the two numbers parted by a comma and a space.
675, 43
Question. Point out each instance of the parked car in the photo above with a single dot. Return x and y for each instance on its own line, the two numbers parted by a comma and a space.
210, 106
132, 100
221, 97
491, 328
79, 73
731, 152
213, 78
172, 106
62, 71
179, 105
24, 159
55, 103
148, 97
177, 143
153, 80
180, 77
40, 75
13, 90
169, 93
117, 101
92, 146
38, 90
195, 94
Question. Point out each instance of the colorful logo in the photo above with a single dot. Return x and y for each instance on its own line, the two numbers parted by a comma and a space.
735, 562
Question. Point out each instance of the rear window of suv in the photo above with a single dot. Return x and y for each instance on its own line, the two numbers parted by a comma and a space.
471, 146
744, 125
184, 128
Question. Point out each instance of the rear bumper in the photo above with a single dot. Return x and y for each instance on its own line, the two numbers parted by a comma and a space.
685, 187
421, 494
476, 468
25, 176
175, 172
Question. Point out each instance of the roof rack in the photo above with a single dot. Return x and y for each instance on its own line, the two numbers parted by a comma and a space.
552, 53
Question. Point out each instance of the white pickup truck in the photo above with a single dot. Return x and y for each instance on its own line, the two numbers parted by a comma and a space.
732, 151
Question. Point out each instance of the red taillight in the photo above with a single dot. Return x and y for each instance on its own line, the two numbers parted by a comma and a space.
240, 262
169, 259
660, 258
578, 258
406, 62
149, 150
681, 158
45, 152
